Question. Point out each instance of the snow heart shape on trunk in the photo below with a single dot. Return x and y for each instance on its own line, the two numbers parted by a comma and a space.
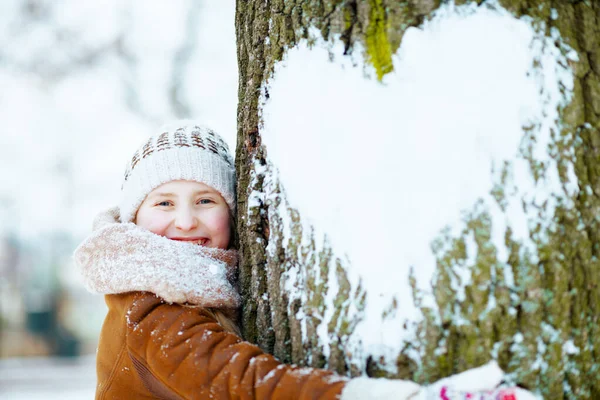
382, 167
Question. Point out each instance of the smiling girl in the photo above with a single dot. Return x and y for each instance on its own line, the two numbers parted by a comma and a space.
165, 261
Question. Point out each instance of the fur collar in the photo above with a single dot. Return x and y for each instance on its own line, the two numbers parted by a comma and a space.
122, 257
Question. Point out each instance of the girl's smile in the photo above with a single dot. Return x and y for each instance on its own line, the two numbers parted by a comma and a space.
187, 211
197, 240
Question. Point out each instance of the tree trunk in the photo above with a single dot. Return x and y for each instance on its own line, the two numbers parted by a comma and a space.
555, 297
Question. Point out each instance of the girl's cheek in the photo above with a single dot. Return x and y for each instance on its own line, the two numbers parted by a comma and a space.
158, 229
155, 222
219, 222
160, 226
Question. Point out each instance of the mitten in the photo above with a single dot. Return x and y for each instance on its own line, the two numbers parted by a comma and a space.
482, 383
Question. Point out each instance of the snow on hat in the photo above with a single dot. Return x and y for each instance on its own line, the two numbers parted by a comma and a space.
185, 151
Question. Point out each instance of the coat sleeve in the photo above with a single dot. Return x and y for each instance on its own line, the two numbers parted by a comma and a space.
181, 352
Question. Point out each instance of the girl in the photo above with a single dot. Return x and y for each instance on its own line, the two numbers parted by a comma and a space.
165, 261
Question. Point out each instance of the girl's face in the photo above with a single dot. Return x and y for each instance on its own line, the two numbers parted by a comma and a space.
187, 211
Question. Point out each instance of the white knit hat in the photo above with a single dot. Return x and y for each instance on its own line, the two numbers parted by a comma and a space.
187, 151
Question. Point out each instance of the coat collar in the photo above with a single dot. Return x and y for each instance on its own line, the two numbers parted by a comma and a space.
122, 257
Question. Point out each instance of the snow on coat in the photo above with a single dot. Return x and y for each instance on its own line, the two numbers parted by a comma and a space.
123, 257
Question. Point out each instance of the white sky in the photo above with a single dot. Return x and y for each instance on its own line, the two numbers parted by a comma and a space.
381, 168
83, 122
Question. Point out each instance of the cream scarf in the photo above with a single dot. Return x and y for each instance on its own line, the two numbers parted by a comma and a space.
122, 257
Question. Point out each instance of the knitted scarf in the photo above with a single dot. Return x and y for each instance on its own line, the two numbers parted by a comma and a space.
123, 257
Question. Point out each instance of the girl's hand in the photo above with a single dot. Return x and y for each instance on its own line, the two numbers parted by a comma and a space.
482, 383
446, 393
475, 384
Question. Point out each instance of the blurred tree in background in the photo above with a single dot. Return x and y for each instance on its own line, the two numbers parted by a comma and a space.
82, 84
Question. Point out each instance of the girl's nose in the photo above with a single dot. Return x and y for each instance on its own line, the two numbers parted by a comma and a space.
186, 220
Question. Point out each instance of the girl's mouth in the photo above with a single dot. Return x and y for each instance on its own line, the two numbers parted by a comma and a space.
201, 241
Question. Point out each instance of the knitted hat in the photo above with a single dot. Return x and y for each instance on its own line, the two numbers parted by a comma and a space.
187, 151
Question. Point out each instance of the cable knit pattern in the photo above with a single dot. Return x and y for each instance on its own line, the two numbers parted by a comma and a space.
123, 257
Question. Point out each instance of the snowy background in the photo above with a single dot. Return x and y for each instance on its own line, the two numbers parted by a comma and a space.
82, 83
78, 96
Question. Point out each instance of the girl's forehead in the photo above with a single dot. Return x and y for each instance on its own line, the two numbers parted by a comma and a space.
182, 187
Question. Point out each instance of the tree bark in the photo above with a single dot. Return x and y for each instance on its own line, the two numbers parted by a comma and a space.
556, 297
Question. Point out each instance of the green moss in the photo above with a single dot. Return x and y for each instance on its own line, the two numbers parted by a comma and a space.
376, 39
349, 18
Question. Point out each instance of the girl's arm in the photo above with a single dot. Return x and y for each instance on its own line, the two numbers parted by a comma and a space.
183, 351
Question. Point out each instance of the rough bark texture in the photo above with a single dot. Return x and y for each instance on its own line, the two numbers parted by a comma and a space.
555, 298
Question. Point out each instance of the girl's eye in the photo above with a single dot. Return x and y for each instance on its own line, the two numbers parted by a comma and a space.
164, 203
205, 201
